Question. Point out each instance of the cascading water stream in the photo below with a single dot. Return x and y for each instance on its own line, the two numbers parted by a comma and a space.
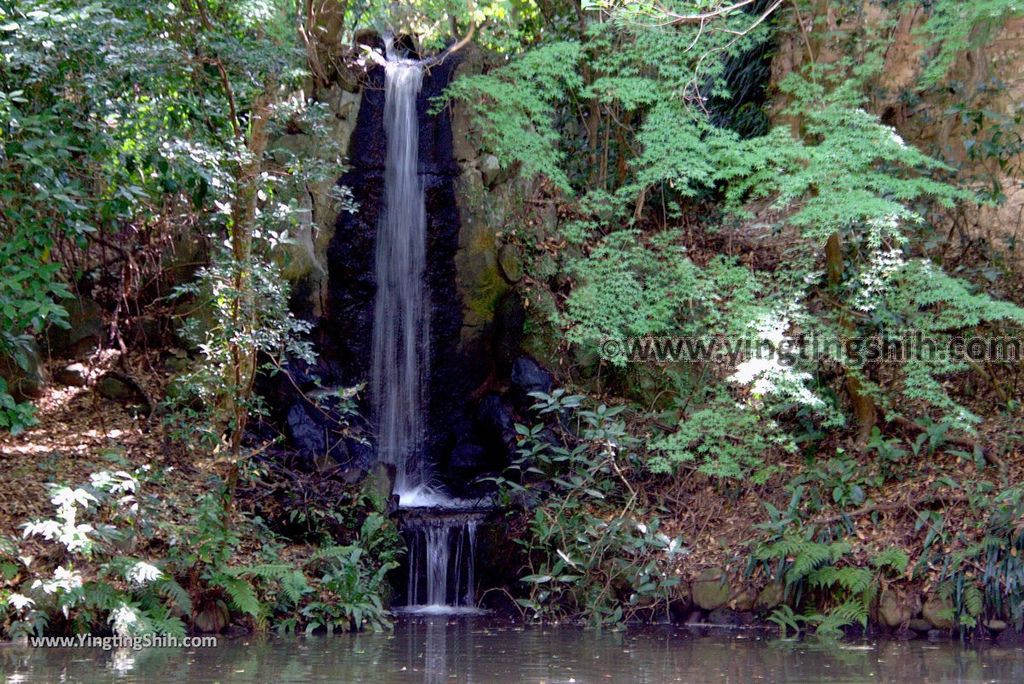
401, 331
441, 547
441, 555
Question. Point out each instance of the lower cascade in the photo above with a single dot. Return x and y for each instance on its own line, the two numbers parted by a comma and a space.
442, 554
441, 535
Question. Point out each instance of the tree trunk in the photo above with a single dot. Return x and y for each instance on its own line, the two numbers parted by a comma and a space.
864, 409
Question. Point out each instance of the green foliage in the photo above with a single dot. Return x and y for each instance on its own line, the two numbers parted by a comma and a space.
117, 119
956, 27
94, 522
837, 594
723, 438
513, 107
837, 480
352, 581
844, 172
593, 553
893, 558
987, 575
839, 171
257, 320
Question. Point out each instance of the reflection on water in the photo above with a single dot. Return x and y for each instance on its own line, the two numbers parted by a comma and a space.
475, 650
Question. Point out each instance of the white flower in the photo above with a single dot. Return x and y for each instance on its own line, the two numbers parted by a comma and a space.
897, 139
120, 481
63, 580
748, 371
48, 529
124, 618
67, 497
73, 577
19, 601
142, 573
76, 537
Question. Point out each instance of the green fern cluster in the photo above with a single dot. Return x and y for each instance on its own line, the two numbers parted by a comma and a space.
818, 577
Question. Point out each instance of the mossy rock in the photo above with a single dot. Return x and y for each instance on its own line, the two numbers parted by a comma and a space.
894, 609
212, 618
939, 612
711, 589
510, 262
920, 625
744, 600
770, 597
23, 373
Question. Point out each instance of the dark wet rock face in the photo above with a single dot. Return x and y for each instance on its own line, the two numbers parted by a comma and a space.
345, 335
83, 332
307, 435
479, 382
496, 424
528, 377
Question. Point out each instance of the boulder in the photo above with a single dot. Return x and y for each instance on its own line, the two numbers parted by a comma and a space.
696, 617
920, 625
497, 423
744, 600
22, 370
491, 171
529, 376
711, 589
307, 436
996, 625
212, 618
894, 609
121, 389
83, 334
939, 612
72, 375
177, 361
510, 263
1010, 637
770, 597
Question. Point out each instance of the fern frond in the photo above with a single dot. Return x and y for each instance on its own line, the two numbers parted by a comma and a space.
240, 591
894, 558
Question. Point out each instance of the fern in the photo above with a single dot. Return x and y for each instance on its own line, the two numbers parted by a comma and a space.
786, 619
973, 601
169, 587
853, 611
240, 591
894, 558
811, 556
853, 580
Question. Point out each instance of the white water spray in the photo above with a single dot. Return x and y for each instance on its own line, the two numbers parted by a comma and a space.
401, 331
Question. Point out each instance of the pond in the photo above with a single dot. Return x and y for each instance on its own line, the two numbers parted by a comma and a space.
439, 649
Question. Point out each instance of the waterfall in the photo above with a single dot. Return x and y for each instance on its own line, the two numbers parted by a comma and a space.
401, 330
442, 546
441, 563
